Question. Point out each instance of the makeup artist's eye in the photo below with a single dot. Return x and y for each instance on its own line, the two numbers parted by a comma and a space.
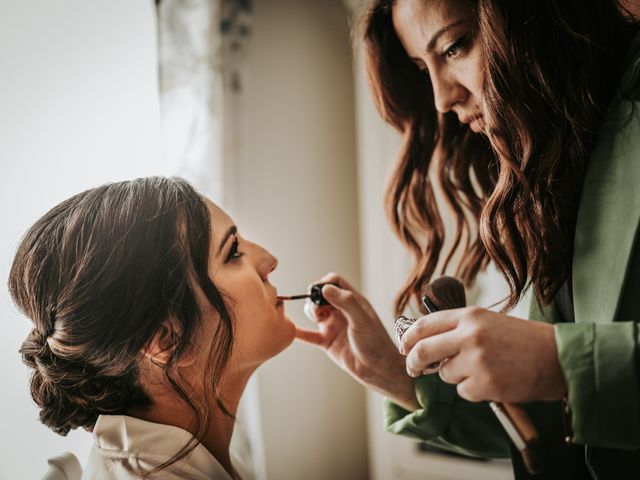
233, 251
456, 48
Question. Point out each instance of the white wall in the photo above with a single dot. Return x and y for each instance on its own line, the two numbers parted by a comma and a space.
78, 107
295, 191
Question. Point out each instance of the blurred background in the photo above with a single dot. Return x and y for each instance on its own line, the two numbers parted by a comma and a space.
263, 105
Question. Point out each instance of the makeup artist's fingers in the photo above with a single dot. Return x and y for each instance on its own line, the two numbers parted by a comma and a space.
469, 390
434, 367
333, 277
317, 313
432, 324
310, 336
454, 370
343, 284
349, 303
309, 311
431, 350
314, 312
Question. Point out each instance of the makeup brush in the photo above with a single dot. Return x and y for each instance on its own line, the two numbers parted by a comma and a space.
315, 294
444, 293
447, 293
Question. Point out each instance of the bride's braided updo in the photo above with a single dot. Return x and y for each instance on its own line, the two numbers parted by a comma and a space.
72, 393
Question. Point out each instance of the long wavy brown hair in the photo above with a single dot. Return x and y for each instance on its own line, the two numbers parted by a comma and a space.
551, 68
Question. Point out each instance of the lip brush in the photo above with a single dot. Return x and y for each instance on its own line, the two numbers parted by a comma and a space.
315, 294
294, 297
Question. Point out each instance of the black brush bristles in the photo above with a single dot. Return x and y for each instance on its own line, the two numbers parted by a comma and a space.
444, 293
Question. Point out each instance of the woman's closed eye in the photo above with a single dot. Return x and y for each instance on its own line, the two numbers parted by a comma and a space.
234, 253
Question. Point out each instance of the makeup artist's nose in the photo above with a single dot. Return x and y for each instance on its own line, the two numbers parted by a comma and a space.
447, 91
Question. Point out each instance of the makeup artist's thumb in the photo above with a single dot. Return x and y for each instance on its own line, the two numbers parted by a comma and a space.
340, 298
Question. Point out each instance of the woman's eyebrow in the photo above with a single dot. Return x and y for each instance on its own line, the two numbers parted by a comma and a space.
432, 43
228, 234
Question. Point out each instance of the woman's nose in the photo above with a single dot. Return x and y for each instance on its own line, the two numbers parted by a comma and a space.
447, 92
267, 263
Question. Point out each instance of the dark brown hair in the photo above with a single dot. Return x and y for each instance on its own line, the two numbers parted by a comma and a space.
551, 68
97, 275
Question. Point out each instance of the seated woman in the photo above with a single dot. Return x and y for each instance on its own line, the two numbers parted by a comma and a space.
150, 314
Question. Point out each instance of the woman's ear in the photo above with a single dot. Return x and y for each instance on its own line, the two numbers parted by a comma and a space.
165, 342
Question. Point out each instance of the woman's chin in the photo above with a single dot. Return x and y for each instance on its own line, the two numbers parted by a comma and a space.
283, 334
286, 327
288, 330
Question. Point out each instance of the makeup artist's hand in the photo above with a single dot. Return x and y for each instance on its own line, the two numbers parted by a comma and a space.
490, 356
351, 333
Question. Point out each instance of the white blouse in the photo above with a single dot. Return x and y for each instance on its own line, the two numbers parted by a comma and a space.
124, 446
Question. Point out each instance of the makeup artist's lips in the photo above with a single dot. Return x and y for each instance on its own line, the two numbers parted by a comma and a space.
476, 122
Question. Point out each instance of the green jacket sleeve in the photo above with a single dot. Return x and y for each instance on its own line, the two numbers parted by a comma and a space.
447, 421
599, 352
600, 364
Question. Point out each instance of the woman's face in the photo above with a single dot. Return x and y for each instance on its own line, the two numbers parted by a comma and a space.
240, 269
438, 35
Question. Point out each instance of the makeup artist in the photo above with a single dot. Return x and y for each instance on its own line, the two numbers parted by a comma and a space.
524, 117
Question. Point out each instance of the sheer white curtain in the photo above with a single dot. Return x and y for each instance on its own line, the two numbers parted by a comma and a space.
192, 91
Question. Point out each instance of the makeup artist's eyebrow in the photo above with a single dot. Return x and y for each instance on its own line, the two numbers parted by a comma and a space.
432, 43
228, 234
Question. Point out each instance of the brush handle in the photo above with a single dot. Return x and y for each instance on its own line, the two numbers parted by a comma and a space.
531, 461
293, 297
521, 431
446, 293
522, 422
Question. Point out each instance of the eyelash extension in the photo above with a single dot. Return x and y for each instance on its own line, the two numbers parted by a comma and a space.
233, 251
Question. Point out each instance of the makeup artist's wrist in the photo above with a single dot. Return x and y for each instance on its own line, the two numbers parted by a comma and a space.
397, 385
405, 396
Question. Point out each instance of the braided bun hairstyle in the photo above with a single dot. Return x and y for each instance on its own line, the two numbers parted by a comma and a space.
72, 393
97, 275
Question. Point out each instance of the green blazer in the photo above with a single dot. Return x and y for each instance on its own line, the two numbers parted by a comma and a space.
600, 352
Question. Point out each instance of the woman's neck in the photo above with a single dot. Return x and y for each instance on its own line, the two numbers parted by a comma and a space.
217, 437
169, 409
